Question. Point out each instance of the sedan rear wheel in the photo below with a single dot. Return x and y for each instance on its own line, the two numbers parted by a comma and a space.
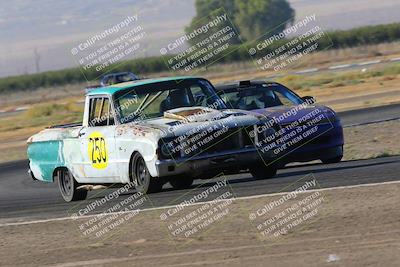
261, 172
181, 182
332, 160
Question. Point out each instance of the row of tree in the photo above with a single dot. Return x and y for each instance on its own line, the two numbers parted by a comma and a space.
338, 39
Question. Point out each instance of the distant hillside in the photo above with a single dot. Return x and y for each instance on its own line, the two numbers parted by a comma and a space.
346, 14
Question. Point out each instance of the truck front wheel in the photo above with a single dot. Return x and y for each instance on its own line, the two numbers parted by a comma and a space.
69, 187
141, 177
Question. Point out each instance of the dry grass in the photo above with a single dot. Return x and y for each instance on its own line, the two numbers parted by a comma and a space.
15, 130
348, 78
42, 115
372, 141
43, 95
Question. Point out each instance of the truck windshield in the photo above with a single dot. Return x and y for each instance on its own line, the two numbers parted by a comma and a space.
152, 100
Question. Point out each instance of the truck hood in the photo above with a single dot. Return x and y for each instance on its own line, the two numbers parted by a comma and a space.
179, 121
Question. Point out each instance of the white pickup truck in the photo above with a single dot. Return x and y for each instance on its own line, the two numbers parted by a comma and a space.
146, 132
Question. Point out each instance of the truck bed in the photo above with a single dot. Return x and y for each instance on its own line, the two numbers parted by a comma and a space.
68, 125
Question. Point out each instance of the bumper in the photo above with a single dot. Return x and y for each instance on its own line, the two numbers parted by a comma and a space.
328, 143
320, 154
30, 173
230, 161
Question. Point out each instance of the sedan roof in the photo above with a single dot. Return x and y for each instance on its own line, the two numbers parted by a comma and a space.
242, 85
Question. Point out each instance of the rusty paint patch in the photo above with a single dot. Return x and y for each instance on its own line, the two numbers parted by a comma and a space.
136, 130
180, 115
193, 114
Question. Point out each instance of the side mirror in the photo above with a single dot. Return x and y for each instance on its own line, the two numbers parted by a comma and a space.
309, 99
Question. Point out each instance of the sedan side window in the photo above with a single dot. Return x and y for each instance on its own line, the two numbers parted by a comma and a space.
100, 113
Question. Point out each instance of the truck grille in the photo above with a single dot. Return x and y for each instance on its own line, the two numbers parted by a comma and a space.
209, 142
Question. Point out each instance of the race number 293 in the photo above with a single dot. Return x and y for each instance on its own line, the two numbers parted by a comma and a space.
97, 150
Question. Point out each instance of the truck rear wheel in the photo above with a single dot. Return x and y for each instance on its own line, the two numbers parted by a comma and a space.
140, 175
68, 187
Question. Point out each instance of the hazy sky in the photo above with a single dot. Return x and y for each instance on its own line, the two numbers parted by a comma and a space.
54, 27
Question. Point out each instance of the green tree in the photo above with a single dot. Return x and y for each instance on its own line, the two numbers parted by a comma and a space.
256, 18
205, 7
252, 18
208, 10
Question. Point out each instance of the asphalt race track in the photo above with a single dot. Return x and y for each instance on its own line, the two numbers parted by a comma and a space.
362, 116
22, 199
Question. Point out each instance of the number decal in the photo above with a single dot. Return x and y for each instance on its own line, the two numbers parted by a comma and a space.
97, 150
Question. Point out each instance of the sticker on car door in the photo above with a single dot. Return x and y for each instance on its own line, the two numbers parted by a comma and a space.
97, 149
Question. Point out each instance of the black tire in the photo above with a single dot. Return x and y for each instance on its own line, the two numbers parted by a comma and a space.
68, 187
181, 182
332, 160
144, 182
261, 172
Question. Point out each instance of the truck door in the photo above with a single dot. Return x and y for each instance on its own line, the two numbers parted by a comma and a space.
97, 142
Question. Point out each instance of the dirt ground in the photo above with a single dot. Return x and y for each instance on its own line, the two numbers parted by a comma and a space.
356, 226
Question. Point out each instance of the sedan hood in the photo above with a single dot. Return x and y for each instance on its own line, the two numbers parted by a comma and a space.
287, 115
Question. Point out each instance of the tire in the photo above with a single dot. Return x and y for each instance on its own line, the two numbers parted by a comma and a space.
263, 172
181, 182
68, 187
332, 160
144, 182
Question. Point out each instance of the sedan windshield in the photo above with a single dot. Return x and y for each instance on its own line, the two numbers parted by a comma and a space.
152, 100
260, 96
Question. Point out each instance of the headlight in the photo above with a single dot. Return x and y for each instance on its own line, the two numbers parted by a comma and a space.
168, 148
331, 116
266, 133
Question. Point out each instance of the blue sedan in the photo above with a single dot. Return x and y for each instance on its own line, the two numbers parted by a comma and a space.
307, 131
